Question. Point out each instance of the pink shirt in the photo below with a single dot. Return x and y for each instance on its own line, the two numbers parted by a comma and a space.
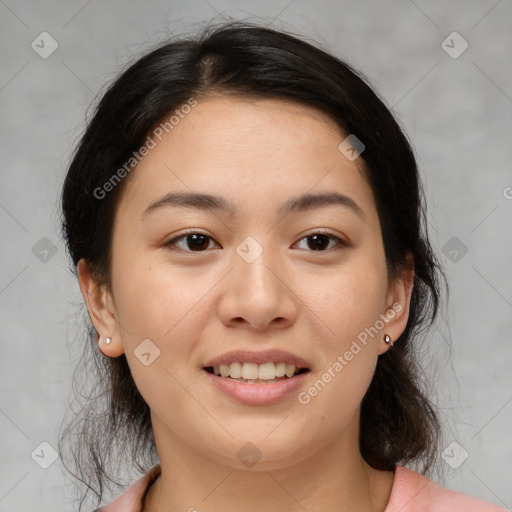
411, 492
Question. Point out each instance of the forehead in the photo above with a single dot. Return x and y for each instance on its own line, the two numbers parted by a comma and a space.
235, 126
259, 151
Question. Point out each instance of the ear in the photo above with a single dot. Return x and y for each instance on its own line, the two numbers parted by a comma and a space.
101, 310
397, 305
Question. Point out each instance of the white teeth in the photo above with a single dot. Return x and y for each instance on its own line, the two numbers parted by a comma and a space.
267, 371
250, 371
253, 371
280, 369
224, 370
290, 370
235, 370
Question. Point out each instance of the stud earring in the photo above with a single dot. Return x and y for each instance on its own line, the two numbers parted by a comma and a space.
108, 340
387, 339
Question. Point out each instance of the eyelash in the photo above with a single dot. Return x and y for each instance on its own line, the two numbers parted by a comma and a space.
341, 243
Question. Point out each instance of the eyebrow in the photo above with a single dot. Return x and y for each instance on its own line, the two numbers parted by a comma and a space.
302, 202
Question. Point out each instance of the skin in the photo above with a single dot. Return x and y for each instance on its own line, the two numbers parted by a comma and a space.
197, 305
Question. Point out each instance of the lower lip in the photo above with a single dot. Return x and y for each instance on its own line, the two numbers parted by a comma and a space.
257, 394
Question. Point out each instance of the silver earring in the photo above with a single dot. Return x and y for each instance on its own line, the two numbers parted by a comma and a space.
108, 340
387, 339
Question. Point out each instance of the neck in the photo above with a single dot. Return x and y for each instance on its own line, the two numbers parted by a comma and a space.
334, 477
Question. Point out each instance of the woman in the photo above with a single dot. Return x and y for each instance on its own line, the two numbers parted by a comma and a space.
255, 367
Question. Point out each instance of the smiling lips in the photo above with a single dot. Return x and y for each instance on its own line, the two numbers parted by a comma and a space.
266, 356
263, 367
256, 372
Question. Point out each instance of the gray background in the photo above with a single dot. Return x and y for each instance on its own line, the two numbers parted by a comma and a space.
457, 111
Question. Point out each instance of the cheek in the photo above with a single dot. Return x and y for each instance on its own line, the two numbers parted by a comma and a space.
347, 301
150, 296
158, 304
350, 305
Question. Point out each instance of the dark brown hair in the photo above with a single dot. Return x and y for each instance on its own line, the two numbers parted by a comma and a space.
398, 422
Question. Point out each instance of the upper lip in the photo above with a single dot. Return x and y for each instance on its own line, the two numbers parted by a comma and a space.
266, 356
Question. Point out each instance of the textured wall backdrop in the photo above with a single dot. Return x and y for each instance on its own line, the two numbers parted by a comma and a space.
444, 68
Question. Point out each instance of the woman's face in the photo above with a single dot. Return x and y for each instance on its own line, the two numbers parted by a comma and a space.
252, 281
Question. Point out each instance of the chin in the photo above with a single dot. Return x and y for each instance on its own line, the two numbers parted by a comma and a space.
261, 453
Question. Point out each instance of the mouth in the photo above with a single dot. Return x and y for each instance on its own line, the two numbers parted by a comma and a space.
257, 378
252, 373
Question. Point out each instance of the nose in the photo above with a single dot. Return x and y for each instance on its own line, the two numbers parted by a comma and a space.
258, 294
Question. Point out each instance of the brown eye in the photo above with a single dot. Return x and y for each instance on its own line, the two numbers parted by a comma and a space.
193, 242
199, 242
320, 241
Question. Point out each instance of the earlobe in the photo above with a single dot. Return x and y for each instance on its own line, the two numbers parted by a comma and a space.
101, 311
398, 305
